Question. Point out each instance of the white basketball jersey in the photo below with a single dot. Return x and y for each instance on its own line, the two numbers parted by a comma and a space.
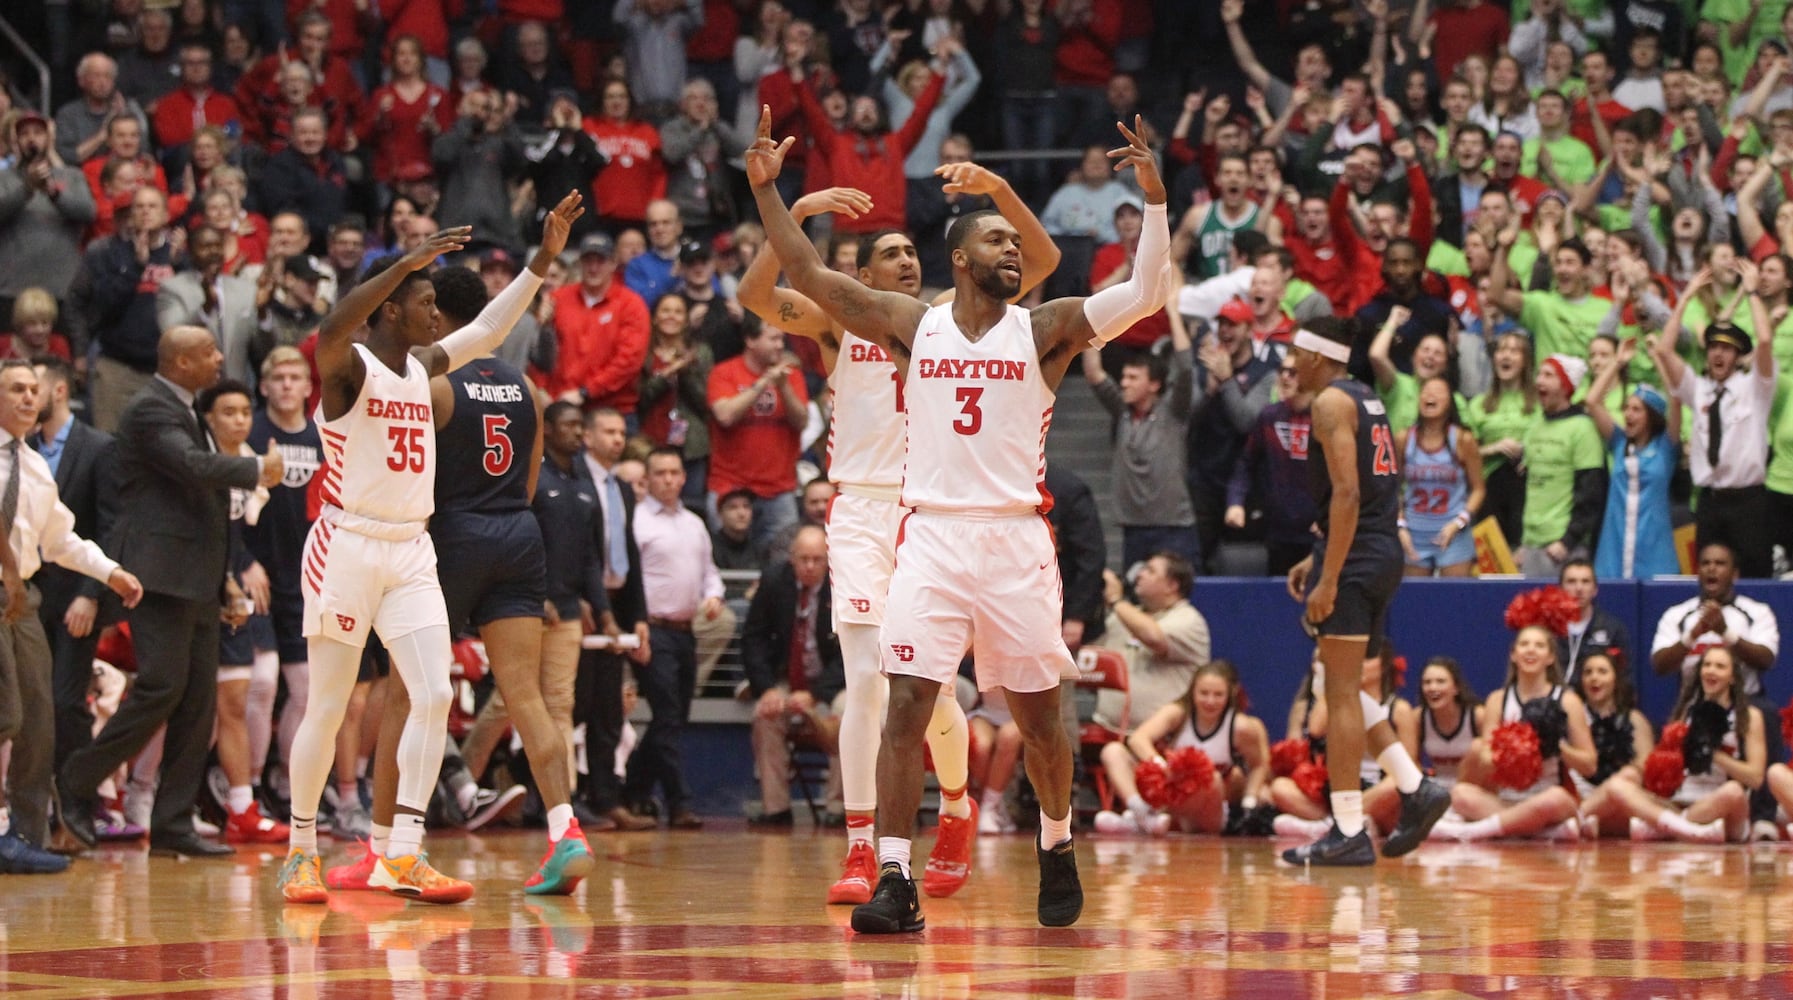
380, 457
865, 436
977, 415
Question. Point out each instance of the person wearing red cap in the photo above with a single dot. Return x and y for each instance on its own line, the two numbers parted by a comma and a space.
1565, 474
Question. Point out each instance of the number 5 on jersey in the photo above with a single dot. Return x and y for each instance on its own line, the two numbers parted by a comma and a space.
499, 451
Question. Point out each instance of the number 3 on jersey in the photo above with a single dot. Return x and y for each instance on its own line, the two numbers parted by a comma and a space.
499, 451
1384, 464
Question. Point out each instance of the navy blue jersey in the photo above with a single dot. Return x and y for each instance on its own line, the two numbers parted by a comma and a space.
277, 539
1378, 473
482, 455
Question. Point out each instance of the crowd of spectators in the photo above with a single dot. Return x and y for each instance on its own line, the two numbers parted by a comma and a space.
1559, 224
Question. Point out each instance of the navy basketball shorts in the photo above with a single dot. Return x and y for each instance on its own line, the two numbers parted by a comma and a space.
492, 566
1373, 570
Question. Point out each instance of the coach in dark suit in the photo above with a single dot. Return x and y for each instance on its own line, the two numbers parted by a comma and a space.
598, 698
794, 669
174, 508
82, 460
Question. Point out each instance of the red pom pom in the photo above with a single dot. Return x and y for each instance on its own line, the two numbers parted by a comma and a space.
1673, 735
471, 658
1551, 607
1190, 773
1287, 755
1517, 760
1663, 771
1310, 777
1400, 672
1154, 783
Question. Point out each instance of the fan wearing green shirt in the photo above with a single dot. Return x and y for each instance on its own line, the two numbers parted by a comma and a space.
1500, 419
1400, 391
1561, 321
1565, 474
1566, 162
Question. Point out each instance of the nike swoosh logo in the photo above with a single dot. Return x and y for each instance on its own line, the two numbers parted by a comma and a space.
931, 333
1044, 565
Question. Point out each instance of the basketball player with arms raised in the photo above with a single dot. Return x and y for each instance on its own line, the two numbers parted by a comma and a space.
493, 567
865, 460
976, 566
1347, 584
369, 561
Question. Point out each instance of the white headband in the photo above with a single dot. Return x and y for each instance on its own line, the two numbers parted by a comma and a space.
1308, 340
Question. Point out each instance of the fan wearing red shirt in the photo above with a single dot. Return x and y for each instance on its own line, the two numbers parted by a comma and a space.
1113, 264
602, 328
633, 173
421, 19
778, 90
193, 104
758, 406
124, 141
406, 115
867, 156
349, 21
1330, 255
1597, 74
258, 92
1465, 28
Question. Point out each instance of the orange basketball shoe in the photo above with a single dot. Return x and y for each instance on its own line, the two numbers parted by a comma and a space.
949, 863
857, 876
412, 877
299, 882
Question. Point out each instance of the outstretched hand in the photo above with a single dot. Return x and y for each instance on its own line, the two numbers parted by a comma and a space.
969, 178
559, 223
850, 202
1140, 156
765, 158
446, 241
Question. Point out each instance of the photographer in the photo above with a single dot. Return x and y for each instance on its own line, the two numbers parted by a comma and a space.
476, 161
44, 206
565, 158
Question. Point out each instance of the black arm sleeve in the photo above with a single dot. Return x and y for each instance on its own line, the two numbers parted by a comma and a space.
1584, 515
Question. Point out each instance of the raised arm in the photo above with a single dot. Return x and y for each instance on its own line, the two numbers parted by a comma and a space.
1039, 254
1662, 349
784, 308
1749, 197
884, 318
1602, 384
494, 322
1763, 359
339, 367
1063, 327
1230, 12
1380, 363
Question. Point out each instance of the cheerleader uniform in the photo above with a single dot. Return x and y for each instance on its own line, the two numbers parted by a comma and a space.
1512, 710
1446, 750
1585, 786
1695, 787
1216, 745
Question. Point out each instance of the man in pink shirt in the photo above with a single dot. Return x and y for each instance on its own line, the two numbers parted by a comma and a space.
681, 583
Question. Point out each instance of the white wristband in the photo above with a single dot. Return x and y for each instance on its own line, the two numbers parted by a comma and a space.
1732, 635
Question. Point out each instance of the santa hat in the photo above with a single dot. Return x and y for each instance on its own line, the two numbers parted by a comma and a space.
1570, 369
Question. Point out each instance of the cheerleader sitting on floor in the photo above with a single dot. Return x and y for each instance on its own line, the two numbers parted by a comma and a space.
1207, 718
1545, 806
1622, 741
1450, 721
1300, 814
1722, 757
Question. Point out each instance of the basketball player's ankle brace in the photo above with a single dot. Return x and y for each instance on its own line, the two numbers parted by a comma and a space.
1114, 309
488, 330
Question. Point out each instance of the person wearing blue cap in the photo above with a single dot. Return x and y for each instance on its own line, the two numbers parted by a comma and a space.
1636, 535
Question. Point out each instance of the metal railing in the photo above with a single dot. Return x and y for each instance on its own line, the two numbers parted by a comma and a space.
43, 69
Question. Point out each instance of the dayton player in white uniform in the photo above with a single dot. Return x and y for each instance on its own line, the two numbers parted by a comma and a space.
369, 564
865, 460
976, 566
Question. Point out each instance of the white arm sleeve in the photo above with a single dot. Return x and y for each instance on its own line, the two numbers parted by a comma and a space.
482, 336
1112, 310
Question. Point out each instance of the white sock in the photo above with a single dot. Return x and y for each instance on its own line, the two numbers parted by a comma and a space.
377, 841
1347, 812
407, 835
991, 799
240, 799
1138, 805
5, 820
1486, 828
894, 851
1679, 825
304, 834
1054, 832
348, 793
957, 805
560, 818
1397, 762
859, 830
1568, 829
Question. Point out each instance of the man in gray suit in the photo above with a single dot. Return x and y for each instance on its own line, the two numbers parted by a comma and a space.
204, 296
174, 502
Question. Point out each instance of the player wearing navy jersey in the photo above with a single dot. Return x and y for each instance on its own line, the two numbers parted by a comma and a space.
1347, 584
490, 558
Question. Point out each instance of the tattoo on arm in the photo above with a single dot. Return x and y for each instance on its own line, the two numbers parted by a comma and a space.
850, 302
787, 313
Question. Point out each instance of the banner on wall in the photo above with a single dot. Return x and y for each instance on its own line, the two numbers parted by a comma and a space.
1492, 556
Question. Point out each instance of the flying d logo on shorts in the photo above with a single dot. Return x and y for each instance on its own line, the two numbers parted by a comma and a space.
346, 623
860, 604
904, 653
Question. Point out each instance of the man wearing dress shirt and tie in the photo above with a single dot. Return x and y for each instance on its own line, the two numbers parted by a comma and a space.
39, 527
599, 699
1730, 428
681, 584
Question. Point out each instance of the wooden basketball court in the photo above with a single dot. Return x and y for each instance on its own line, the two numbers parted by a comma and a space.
726, 912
